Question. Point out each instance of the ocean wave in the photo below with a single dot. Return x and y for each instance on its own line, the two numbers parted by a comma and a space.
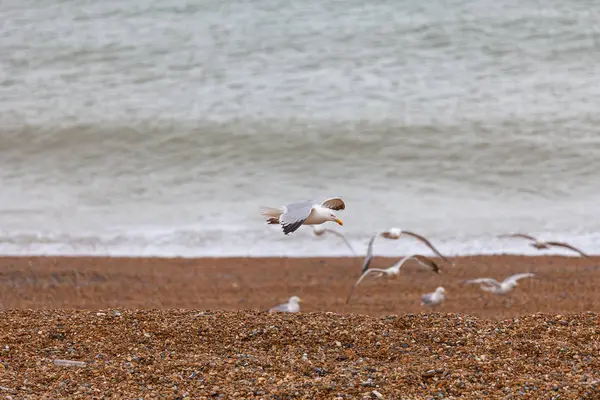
189, 244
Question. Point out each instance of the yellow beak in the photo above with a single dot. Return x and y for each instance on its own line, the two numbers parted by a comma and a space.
339, 221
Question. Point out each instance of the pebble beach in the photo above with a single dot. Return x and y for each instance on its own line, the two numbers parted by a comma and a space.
87, 327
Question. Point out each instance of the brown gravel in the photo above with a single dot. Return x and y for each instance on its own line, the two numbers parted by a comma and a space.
138, 345
249, 354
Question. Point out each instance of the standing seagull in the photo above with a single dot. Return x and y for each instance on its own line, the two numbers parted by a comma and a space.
320, 231
435, 298
541, 245
395, 233
292, 306
495, 287
395, 269
292, 216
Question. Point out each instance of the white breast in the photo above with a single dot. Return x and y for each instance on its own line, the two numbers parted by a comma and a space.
318, 215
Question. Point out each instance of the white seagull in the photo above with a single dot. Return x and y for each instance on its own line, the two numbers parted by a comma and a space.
292, 216
495, 287
435, 298
542, 245
396, 233
320, 231
292, 306
395, 269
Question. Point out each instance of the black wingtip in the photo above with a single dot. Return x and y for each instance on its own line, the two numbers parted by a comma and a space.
291, 227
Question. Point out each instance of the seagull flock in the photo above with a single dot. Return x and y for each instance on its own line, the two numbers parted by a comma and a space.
292, 216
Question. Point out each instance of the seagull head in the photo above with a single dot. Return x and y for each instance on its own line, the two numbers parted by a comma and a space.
392, 233
294, 300
334, 218
440, 289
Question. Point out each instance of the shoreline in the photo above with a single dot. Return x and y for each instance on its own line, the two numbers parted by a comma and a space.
239, 257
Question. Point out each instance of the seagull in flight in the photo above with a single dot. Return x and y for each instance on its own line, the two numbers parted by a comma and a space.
369, 256
495, 287
320, 231
292, 306
394, 270
435, 298
292, 216
396, 233
542, 245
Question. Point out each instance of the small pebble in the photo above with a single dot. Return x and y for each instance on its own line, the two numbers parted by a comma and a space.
377, 394
69, 363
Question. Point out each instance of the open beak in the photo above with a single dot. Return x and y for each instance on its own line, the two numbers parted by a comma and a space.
339, 221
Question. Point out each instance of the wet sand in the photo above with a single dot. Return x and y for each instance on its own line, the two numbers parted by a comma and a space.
562, 284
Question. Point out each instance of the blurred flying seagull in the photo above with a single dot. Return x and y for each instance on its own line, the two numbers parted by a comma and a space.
369, 255
542, 245
396, 233
320, 231
395, 269
495, 287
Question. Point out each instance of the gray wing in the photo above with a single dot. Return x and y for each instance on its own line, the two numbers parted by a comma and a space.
427, 243
516, 277
427, 298
567, 246
485, 281
282, 308
427, 262
401, 262
369, 255
294, 215
341, 235
517, 235
356, 284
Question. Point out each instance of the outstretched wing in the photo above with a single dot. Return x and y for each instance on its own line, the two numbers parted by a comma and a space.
422, 260
294, 215
369, 255
427, 262
342, 236
360, 279
427, 242
568, 246
334, 203
516, 277
518, 235
485, 281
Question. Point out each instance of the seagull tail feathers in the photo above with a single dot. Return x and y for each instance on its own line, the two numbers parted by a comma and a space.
270, 211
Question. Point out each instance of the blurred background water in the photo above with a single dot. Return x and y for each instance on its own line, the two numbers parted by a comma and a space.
159, 128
